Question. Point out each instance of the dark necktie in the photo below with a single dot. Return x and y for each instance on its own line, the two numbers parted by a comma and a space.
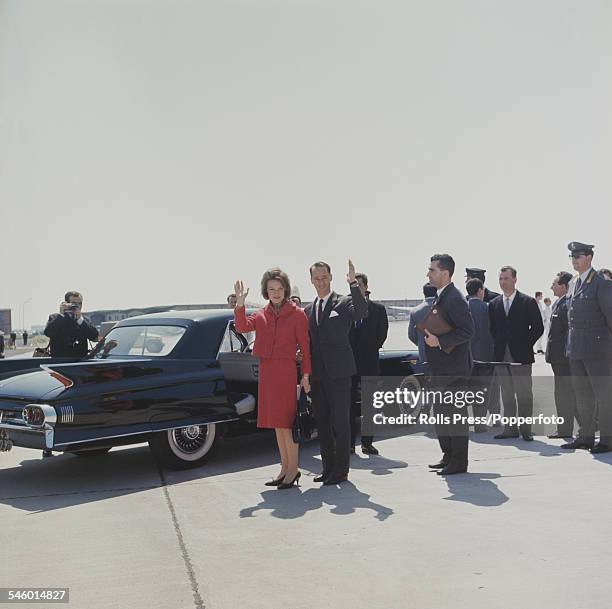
320, 312
578, 285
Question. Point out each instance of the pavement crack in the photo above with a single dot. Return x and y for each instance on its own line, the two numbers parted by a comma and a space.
91, 492
197, 597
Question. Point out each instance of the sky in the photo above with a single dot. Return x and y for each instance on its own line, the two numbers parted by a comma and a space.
154, 152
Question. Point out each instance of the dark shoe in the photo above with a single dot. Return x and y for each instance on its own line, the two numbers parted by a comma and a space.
352, 450
47, 453
276, 482
369, 449
528, 437
449, 471
334, 481
506, 436
600, 448
558, 436
285, 485
480, 428
440, 465
320, 478
577, 444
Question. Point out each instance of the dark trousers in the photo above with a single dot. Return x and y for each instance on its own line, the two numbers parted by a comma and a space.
356, 413
517, 393
483, 379
452, 437
593, 385
565, 398
331, 402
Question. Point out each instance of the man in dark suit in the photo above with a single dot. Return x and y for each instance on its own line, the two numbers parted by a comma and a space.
69, 330
589, 348
516, 325
418, 314
565, 397
367, 336
331, 318
474, 273
446, 370
481, 346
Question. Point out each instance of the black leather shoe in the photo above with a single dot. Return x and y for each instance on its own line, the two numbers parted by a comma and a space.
558, 436
334, 481
600, 448
320, 478
528, 437
369, 449
440, 465
577, 444
449, 471
480, 429
276, 482
285, 485
505, 436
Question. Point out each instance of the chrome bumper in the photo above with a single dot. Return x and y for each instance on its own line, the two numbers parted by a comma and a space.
28, 436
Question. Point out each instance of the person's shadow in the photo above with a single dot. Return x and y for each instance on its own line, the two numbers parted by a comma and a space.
535, 446
476, 488
345, 499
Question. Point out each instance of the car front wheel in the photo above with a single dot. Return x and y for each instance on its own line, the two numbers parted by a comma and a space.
185, 447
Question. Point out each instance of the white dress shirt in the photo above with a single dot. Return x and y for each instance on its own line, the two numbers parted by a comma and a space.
316, 304
508, 300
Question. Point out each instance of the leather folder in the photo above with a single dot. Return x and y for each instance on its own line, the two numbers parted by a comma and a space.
435, 321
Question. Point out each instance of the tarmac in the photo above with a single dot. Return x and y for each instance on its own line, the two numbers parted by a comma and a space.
528, 526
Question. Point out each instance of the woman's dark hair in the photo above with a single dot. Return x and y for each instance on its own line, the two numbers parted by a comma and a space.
279, 275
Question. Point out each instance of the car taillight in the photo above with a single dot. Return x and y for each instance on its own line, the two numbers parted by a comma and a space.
34, 416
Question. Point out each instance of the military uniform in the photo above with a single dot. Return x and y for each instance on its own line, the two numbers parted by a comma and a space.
589, 349
474, 273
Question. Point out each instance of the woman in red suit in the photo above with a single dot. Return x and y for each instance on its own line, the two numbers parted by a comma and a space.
281, 328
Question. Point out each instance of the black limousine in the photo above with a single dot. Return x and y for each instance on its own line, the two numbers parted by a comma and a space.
178, 380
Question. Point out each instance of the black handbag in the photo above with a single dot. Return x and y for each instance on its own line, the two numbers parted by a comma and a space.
304, 423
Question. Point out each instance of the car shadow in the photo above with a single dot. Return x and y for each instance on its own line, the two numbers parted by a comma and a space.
342, 500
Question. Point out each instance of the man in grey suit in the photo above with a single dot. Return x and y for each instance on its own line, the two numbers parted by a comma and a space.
482, 348
418, 314
565, 396
589, 348
331, 317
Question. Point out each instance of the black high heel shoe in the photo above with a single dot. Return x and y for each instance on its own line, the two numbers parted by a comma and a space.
276, 482
290, 484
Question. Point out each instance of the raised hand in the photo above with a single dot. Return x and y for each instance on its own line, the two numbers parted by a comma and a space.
350, 276
240, 293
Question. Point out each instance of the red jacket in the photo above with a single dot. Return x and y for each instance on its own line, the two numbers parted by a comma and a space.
277, 335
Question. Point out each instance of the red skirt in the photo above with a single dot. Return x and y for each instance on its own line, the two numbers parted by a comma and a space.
277, 400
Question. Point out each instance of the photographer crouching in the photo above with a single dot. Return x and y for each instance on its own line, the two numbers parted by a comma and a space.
69, 331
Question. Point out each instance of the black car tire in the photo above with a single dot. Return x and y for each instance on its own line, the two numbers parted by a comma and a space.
94, 452
185, 447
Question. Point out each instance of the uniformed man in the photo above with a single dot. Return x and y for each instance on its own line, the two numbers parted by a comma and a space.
474, 273
589, 349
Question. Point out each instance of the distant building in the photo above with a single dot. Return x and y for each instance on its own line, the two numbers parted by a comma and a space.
5, 321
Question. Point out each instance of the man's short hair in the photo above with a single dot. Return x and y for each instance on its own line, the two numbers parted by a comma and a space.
473, 285
606, 273
72, 294
510, 269
430, 291
445, 262
363, 277
321, 265
538, 294
279, 275
563, 278
230, 296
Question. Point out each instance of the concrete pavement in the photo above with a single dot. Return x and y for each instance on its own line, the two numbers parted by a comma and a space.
123, 534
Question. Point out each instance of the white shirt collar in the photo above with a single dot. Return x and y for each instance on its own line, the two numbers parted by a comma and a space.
584, 275
440, 290
510, 298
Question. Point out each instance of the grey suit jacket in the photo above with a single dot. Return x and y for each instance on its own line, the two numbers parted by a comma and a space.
330, 347
590, 319
482, 341
418, 314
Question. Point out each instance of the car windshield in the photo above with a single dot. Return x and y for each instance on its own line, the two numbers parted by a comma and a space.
141, 341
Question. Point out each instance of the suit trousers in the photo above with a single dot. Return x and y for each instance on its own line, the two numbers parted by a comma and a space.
565, 398
356, 413
517, 392
593, 386
331, 402
452, 437
483, 379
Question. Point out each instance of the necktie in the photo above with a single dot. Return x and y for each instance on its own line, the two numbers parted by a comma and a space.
578, 285
320, 312
507, 305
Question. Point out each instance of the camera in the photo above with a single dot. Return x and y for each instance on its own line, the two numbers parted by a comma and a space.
71, 309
